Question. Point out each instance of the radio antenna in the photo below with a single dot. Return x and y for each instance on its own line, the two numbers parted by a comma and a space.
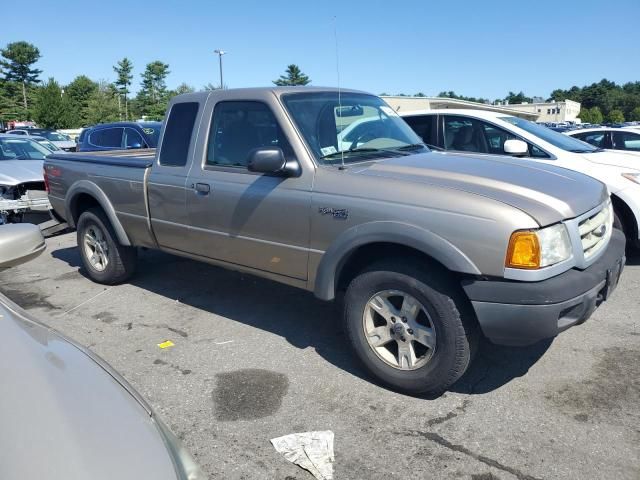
335, 35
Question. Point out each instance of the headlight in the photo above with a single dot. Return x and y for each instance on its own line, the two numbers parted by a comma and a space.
186, 466
533, 249
634, 177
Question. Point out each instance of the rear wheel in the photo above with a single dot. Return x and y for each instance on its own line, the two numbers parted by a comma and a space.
104, 259
406, 327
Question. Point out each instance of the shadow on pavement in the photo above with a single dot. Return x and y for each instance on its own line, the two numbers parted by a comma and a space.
294, 314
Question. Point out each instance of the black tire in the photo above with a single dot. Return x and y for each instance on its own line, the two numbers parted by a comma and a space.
456, 334
121, 263
617, 223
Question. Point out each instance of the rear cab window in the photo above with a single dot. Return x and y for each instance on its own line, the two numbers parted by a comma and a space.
174, 150
106, 137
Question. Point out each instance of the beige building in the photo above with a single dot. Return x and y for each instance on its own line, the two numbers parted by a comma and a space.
537, 112
566, 111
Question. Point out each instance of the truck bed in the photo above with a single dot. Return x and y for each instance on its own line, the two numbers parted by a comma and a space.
141, 158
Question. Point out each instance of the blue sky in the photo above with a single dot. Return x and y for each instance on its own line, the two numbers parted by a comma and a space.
474, 48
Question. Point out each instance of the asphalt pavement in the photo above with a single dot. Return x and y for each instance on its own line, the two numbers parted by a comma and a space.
253, 360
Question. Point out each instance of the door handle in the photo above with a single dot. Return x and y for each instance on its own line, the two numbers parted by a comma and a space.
202, 188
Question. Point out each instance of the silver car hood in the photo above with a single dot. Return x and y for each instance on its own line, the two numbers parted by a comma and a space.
14, 172
547, 193
66, 415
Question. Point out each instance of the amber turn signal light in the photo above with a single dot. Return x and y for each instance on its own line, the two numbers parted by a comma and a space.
523, 251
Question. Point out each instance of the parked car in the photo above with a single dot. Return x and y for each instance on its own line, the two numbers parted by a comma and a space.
46, 143
65, 413
22, 188
63, 142
625, 139
423, 245
119, 136
491, 133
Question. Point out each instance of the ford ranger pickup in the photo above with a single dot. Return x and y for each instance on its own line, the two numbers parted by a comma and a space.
330, 191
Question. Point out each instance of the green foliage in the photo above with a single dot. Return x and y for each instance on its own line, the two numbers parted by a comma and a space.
17, 60
182, 88
123, 71
452, 94
51, 110
11, 105
78, 94
591, 115
606, 95
515, 98
153, 98
293, 76
634, 116
103, 104
615, 116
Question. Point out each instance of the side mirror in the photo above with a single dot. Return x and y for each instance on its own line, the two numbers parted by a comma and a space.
516, 147
19, 243
271, 160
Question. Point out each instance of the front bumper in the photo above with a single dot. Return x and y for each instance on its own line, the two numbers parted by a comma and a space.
522, 313
32, 201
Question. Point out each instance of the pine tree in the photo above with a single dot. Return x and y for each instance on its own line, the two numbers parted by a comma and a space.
123, 69
152, 98
51, 110
293, 76
18, 59
78, 94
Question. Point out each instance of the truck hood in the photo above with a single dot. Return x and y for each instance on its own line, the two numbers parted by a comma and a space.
67, 415
548, 194
14, 172
614, 158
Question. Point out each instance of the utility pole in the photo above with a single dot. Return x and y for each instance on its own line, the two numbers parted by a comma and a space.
220, 54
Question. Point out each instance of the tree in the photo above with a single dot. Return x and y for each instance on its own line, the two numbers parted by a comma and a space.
78, 94
615, 116
591, 115
292, 76
634, 116
152, 98
452, 94
103, 104
123, 70
19, 57
50, 110
183, 88
515, 98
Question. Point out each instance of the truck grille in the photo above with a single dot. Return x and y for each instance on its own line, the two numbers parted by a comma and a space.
595, 231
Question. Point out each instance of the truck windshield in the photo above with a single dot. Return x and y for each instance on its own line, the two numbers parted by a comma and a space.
556, 139
353, 128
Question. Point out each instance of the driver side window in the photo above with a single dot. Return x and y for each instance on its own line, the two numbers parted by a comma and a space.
237, 128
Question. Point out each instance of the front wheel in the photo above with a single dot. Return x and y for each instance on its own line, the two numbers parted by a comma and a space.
104, 259
405, 325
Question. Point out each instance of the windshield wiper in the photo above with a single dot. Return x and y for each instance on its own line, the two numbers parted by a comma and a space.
413, 146
580, 150
348, 152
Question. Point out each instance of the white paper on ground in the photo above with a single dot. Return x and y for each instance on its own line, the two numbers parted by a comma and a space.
312, 451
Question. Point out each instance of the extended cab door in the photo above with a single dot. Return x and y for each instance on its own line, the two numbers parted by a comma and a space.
254, 220
167, 181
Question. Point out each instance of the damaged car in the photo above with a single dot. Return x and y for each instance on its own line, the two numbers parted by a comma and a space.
22, 188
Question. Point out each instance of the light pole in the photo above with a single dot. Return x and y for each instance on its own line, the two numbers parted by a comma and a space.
220, 53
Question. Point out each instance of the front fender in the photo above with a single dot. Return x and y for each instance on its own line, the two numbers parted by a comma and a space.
388, 232
91, 189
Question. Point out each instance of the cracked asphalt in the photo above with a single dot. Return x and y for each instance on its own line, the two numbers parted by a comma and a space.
253, 360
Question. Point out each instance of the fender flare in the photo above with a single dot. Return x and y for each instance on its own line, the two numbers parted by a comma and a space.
91, 189
388, 232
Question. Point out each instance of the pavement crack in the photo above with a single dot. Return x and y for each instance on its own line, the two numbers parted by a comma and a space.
434, 437
459, 410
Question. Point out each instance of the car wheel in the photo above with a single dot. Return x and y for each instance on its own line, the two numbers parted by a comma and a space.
406, 327
104, 259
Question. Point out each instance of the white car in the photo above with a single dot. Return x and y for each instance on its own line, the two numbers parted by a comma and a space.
623, 139
493, 133
63, 142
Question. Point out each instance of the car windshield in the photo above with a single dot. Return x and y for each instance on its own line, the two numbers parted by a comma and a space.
152, 133
54, 136
352, 128
22, 149
556, 139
